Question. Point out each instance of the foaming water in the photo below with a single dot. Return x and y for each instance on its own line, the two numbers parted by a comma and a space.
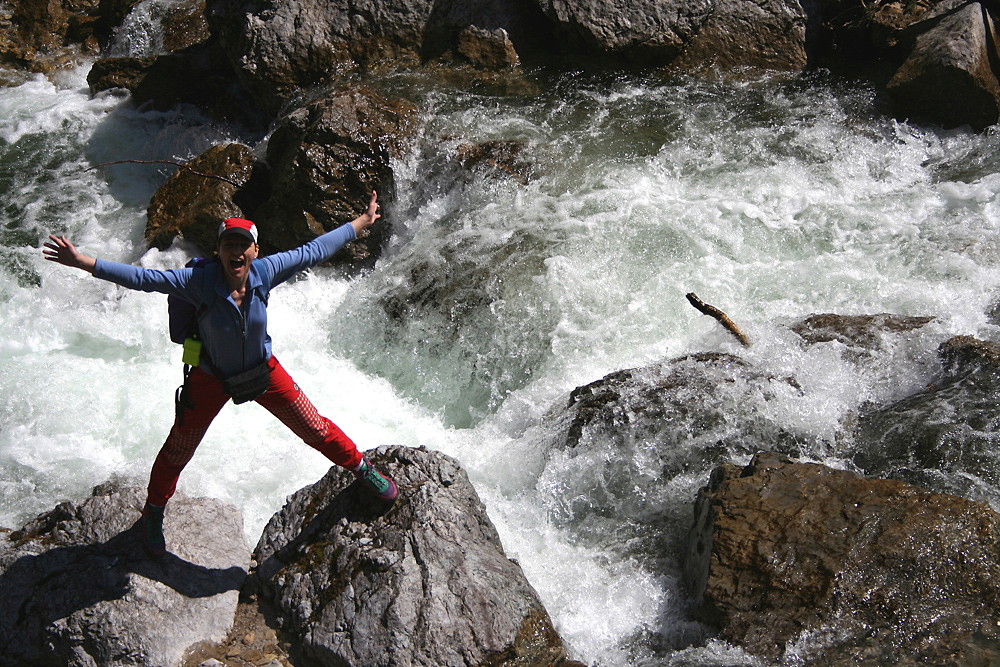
496, 298
140, 34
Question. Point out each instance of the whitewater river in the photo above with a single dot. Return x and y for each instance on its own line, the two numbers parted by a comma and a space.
495, 299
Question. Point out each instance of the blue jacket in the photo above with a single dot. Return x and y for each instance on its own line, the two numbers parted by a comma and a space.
234, 340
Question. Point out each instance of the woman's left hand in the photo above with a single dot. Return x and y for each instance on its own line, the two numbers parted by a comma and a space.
369, 217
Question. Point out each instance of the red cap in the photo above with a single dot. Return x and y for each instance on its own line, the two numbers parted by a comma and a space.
239, 226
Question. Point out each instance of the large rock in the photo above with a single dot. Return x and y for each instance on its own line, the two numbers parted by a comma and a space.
640, 31
197, 197
279, 49
184, 24
705, 396
951, 427
798, 559
197, 75
620, 436
78, 589
119, 72
949, 76
325, 159
706, 34
39, 35
421, 582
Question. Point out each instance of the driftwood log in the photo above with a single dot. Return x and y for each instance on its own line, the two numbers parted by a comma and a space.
720, 316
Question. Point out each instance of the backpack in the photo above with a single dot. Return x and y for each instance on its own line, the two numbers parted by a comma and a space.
183, 315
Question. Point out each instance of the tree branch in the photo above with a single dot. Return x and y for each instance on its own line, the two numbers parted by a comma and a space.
720, 316
176, 164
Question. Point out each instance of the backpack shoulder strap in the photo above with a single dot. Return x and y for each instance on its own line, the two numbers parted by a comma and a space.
203, 279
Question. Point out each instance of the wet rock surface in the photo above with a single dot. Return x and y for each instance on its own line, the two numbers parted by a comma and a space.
339, 576
798, 559
325, 159
421, 581
704, 391
952, 57
859, 332
952, 426
934, 59
198, 196
323, 162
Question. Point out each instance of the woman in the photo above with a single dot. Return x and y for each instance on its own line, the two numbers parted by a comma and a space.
231, 299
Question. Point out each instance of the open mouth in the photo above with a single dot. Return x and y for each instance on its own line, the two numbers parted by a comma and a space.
237, 263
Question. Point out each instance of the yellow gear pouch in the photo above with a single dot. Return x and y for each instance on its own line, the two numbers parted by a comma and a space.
192, 351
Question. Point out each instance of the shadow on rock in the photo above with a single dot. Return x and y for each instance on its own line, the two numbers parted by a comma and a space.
43, 588
78, 587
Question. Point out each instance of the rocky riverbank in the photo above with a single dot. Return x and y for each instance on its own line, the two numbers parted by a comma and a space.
790, 560
793, 561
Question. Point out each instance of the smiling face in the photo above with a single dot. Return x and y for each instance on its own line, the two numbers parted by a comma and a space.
236, 252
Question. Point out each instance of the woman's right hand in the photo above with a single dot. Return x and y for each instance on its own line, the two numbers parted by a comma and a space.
58, 249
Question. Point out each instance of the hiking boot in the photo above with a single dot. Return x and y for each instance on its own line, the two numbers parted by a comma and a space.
152, 531
380, 485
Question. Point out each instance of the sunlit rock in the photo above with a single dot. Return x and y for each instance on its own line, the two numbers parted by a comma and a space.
422, 581
623, 442
124, 73
949, 76
489, 49
78, 588
40, 35
280, 49
200, 195
323, 161
737, 36
813, 565
706, 396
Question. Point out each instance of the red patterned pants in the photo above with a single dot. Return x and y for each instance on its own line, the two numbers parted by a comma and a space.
206, 397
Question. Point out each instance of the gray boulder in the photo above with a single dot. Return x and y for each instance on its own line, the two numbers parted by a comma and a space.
705, 34
279, 49
423, 581
818, 566
706, 406
78, 589
642, 31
